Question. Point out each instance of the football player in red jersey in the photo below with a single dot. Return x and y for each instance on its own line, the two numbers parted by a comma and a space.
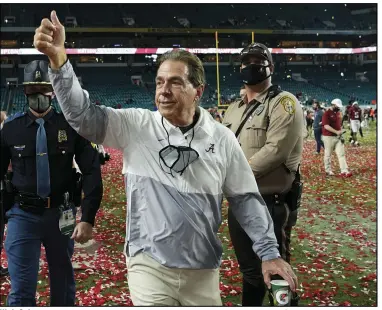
355, 114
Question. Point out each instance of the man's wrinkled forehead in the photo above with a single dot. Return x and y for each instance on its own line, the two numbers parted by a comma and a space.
171, 68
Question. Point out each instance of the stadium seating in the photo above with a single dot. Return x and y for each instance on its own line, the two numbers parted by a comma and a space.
112, 86
259, 15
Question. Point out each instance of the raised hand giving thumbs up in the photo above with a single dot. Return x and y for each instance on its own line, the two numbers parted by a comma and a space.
49, 39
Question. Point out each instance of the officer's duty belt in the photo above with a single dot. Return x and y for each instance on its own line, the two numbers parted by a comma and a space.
31, 200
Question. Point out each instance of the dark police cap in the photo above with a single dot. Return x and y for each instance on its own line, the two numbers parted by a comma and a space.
36, 72
256, 49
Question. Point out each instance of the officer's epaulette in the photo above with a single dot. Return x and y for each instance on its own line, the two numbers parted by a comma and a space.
274, 90
14, 116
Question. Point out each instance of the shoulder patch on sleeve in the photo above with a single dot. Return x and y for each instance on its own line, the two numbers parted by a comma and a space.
14, 116
288, 104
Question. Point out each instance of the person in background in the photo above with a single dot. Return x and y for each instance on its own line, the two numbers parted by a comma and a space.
372, 114
355, 115
317, 126
346, 117
309, 122
365, 114
333, 141
305, 133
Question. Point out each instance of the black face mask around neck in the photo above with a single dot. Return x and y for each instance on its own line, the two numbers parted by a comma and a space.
177, 158
254, 74
39, 103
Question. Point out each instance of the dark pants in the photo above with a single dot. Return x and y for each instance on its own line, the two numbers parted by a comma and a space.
254, 288
309, 128
317, 137
26, 232
351, 135
2, 226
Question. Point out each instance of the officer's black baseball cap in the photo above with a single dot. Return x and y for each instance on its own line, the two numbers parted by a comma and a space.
258, 49
36, 73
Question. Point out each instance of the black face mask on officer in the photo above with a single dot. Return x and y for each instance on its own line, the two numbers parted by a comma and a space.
254, 74
336, 109
39, 103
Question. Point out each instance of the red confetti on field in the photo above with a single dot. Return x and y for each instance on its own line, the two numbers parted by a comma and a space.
334, 242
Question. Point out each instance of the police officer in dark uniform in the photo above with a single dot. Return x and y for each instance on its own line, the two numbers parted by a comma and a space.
268, 123
40, 144
3, 271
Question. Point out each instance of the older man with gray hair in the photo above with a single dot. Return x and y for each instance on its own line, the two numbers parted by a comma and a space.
177, 163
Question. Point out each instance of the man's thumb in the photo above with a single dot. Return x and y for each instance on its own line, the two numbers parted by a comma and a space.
54, 19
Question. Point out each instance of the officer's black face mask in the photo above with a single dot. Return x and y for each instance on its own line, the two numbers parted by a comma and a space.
254, 74
177, 158
39, 103
336, 109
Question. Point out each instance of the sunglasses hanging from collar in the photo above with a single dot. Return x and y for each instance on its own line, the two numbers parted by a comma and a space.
177, 158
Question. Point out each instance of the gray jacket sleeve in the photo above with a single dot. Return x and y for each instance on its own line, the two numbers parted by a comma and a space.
98, 124
247, 205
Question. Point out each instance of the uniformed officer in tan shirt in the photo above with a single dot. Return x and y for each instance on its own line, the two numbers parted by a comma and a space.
271, 138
